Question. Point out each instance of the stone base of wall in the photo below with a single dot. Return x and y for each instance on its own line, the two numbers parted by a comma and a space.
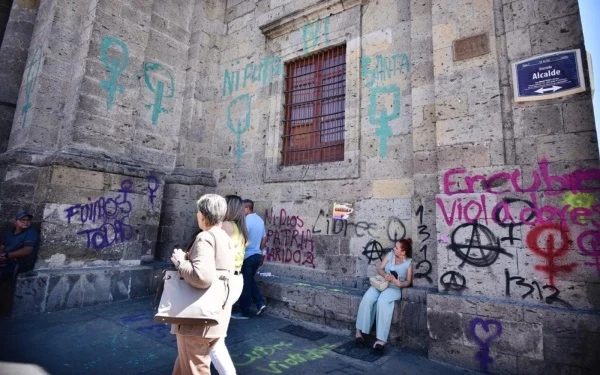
48, 290
508, 338
334, 308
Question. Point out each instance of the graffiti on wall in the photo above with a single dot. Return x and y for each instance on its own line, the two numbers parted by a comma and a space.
484, 332
262, 72
238, 122
115, 66
31, 76
394, 229
551, 229
153, 186
156, 85
109, 215
314, 33
157, 78
379, 68
380, 114
288, 241
423, 268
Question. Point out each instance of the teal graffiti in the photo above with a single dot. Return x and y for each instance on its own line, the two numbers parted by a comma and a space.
383, 67
242, 124
33, 71
311, 34
263, 72
158, 90
384, 131
114, 67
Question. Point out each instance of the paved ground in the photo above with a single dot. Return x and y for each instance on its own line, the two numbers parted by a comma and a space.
121, 338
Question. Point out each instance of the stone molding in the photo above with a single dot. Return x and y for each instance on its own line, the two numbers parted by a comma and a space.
297, 18
103, 162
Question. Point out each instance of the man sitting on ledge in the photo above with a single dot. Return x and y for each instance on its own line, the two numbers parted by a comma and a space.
17, 254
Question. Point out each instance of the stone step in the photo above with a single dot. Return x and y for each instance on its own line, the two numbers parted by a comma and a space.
333, 308
54, 289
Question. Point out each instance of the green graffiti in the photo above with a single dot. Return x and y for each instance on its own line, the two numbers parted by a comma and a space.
158, 90
114, 67
319, 287
291, 360
311, 34
242, 124
263, 72
579, 200
33, 71
382, 117
384, 67
260, 352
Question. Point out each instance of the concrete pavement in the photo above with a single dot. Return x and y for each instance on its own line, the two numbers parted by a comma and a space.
121, 338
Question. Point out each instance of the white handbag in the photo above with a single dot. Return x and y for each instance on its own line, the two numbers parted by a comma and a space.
378, 282
181, 303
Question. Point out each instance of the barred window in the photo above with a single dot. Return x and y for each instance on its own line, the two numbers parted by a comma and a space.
315, 90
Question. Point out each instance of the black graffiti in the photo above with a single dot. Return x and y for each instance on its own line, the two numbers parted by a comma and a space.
424, 274
489, 249
453, 280
505, 206
532, 287
423, 231
393, 225
373, 251
395, 229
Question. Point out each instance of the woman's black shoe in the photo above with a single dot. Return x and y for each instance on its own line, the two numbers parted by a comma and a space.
378, 349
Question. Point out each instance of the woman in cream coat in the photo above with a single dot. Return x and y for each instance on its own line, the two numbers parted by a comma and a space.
210, 260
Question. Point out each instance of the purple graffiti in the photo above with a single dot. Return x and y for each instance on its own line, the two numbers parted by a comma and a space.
588, 243
111, 212
108, 234
102, 208
483, 355
153, 185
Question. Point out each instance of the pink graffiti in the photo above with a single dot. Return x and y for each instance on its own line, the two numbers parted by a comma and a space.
285, 242
473, 210
576, 182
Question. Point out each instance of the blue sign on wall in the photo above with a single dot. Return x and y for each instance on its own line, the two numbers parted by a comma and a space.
548, 76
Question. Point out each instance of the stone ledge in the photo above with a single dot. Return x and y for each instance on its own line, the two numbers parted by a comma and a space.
335, 307
54, 289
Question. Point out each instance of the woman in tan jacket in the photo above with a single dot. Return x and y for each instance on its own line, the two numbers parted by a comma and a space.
210, 260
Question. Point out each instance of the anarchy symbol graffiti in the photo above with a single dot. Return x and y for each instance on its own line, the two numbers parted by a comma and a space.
453, 280
373, 251
480, 248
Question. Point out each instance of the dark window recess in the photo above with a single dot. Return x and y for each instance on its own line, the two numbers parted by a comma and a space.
313, 125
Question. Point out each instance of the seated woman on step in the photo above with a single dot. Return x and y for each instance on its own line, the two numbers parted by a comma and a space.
375, 305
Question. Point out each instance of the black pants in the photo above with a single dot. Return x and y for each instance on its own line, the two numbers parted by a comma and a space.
8, 282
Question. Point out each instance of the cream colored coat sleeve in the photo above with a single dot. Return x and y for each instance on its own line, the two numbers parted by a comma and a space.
199, 270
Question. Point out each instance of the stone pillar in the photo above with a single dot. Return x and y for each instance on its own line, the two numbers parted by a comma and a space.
20, 20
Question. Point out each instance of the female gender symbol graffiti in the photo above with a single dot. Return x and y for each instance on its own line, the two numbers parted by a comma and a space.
590, 248
551, 251
240, 125
484, 343
158, 90
114, 67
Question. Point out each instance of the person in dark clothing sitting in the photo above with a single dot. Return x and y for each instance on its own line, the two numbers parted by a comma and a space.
18, 252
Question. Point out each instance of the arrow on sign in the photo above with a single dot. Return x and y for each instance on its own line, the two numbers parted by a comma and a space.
543, 90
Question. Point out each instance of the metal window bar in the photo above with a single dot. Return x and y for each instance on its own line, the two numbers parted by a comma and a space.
314, 99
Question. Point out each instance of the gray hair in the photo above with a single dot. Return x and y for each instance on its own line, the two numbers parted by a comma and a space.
213, 207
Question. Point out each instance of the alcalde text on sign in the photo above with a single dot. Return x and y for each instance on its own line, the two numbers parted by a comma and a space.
548, 76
